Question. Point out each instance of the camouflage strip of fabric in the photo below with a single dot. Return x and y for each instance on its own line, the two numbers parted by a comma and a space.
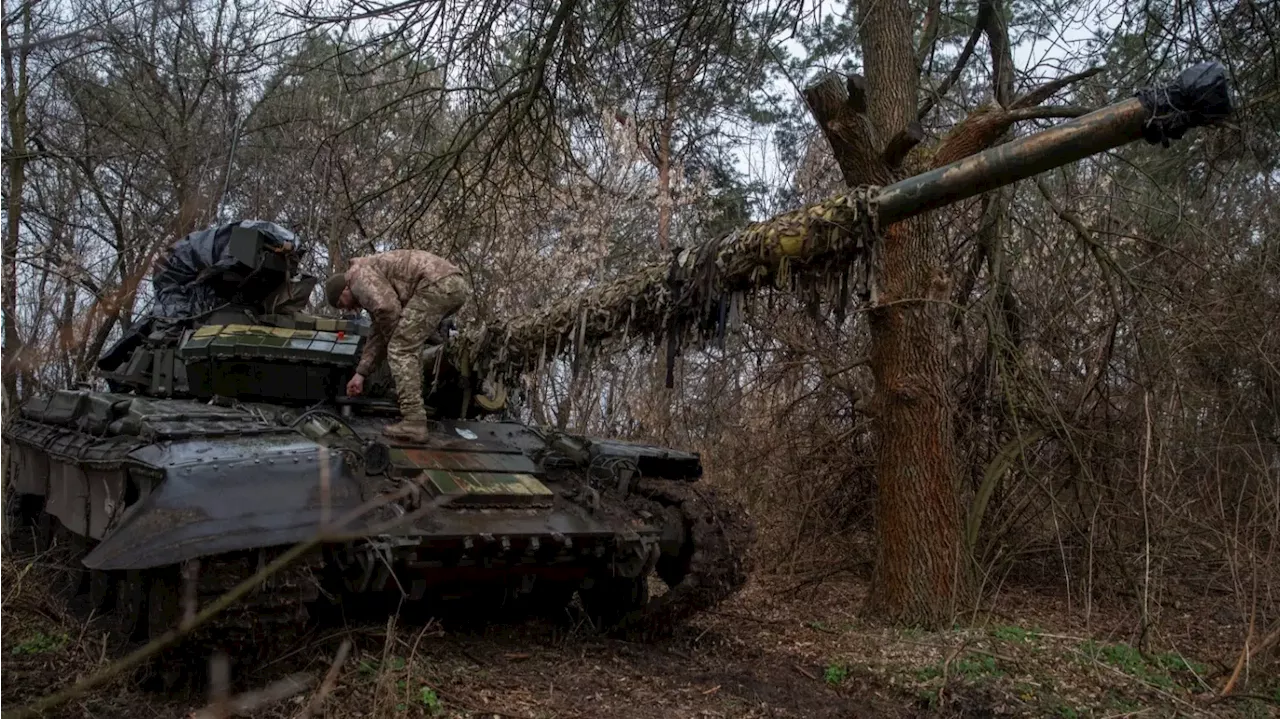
431, 302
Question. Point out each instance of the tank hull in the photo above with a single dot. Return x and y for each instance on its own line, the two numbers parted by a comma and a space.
177, 497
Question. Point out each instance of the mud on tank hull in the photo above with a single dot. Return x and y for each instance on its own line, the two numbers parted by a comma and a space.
168, 503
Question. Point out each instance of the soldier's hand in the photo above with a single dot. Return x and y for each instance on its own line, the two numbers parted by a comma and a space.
356, 386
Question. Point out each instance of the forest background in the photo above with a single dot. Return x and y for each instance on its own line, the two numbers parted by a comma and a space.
1103, 365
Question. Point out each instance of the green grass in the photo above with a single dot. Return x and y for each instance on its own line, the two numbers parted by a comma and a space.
835, 674
41, 643
1167, 671
1014, 634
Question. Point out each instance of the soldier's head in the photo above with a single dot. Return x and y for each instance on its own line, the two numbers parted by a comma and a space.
338, 293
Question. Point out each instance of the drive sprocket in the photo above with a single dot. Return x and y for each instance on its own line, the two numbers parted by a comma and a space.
714, 564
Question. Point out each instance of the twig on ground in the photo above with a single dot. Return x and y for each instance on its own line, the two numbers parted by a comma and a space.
946, 669
1244, 697
1247, 651
15, 584
278, 690
824, 575
972, 650
471, 709
330, 680
747, 617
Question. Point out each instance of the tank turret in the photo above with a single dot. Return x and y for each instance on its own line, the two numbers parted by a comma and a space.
229, 323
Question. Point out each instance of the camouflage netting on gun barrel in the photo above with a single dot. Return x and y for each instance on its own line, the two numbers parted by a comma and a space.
698, 293
703, 288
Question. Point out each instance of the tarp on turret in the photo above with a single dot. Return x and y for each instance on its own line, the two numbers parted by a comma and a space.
189, 279
179, 279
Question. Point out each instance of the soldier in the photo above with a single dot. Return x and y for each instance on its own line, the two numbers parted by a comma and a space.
408, 293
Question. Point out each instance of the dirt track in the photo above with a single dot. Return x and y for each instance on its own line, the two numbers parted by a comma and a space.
527, 669
772, 651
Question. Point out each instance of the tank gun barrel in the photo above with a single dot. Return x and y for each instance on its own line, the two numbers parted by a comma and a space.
1199, 97
661, 299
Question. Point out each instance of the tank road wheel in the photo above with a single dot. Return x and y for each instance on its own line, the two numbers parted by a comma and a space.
21, 517
713, 563
131, 606
611, 599
549, 599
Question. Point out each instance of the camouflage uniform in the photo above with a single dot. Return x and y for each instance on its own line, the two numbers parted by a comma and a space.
408, 293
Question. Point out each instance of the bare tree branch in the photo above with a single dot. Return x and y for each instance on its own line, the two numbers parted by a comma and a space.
979, 25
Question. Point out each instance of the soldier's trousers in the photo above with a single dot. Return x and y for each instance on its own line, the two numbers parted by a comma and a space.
430, 304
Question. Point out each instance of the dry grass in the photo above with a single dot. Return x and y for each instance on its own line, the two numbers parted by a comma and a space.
773, 651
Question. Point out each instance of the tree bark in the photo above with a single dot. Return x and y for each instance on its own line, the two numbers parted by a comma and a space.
918, 576
15, 98
664, 180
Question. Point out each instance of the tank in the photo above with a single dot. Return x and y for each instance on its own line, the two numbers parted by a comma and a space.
224, 443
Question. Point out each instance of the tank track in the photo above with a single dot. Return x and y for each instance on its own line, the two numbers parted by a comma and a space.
720, 533
133, 608
246, 635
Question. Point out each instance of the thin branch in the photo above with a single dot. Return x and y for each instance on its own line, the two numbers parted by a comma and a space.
929, 37
927, 106
1051, 88
330, 681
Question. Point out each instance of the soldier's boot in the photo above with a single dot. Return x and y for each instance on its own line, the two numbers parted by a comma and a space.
412, 430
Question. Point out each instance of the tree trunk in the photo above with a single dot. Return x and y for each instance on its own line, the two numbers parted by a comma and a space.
918, 576
337, 231
664, 182
15, 99
921, 571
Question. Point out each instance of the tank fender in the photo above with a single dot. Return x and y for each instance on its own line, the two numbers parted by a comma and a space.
225, 495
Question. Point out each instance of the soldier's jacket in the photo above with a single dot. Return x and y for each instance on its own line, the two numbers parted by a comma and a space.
383, 284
